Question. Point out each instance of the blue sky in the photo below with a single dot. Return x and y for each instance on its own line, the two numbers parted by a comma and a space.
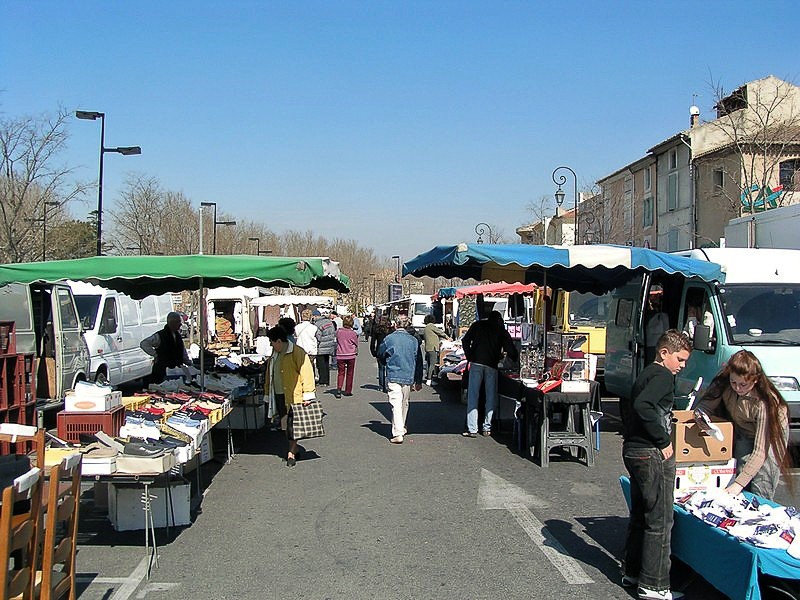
399, 124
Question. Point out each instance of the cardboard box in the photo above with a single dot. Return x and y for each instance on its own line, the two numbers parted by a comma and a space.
692, 477
575, 386
692, 446
206, 450
145, 464
78, 402
125, 509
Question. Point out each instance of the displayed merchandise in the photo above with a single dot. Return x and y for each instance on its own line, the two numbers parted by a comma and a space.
749, 519
306, 421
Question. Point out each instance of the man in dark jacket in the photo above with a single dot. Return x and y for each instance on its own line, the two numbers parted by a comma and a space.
326, 346
167, 347
648, 456
484, 344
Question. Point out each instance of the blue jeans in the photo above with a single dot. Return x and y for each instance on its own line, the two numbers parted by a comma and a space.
647, 547
486, 376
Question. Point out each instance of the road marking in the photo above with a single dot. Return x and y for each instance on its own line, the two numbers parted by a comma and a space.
495, 493
132, 582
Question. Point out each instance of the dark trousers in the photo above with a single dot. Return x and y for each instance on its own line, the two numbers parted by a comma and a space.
344, 378
382, 377
647, 547
432, 357
323, 362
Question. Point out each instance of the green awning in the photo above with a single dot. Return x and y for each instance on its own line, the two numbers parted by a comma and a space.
140, 276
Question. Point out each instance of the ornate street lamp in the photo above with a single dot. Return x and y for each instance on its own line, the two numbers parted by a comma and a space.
559, 195
482, 229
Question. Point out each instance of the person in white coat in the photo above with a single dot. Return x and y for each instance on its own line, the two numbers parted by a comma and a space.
306, 334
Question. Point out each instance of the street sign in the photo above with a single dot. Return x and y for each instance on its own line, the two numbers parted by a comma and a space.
395, 291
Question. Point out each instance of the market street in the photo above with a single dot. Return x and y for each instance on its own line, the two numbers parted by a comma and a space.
439, 516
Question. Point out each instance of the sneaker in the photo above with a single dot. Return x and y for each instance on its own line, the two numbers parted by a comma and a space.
629, 581
648, 594
397, 439
486, 433
469, 434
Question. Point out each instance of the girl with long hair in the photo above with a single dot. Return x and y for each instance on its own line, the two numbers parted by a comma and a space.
743, 394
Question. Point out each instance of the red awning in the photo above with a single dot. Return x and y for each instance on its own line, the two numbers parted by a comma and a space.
497, 289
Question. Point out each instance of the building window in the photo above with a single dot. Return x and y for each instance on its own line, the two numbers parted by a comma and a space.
790, 179
647, 212
672, 240
719, 180
647, 182
672, 191
627, 214
673, 159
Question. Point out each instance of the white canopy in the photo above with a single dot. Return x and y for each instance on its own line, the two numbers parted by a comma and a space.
288, 299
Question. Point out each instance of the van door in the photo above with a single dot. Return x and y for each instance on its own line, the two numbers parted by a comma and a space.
699, 306
72, 355
624, 336
109, 338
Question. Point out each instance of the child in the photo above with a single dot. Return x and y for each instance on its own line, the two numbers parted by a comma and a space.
743, 393
648, 456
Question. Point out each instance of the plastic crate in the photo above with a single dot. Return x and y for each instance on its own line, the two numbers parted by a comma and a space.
72, 424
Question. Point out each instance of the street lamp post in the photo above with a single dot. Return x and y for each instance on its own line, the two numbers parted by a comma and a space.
257, 240
562, 179
124, 150
373, 288
481, 229
214, 233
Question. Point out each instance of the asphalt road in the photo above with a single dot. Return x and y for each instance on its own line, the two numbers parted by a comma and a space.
440, 516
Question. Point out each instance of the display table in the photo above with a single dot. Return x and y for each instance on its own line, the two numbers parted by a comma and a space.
535, 405
727, 563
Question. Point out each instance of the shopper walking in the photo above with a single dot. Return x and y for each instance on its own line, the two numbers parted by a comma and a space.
484, 344
306, 333
400, 352
289, 381
346, 352
743, 394
380, 329
648, 456
326, 346
433, 336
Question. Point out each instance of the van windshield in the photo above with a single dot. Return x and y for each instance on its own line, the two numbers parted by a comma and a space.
87, 309
420, 308
762, 313
588, 309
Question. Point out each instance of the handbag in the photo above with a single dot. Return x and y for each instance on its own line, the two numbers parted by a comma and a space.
305, 421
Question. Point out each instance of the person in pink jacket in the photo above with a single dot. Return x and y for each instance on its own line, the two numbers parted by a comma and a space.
346, 352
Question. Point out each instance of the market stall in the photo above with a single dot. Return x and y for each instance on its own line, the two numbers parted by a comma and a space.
171, 421
548, 362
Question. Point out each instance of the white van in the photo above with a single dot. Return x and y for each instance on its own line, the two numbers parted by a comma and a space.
114, 324
46, 325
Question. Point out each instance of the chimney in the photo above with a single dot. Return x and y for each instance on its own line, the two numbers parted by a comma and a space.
694, 116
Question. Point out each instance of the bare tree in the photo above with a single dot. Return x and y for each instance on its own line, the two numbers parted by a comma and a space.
30, 177
757, 128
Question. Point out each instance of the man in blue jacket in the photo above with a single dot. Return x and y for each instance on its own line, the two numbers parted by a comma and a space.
401, 354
